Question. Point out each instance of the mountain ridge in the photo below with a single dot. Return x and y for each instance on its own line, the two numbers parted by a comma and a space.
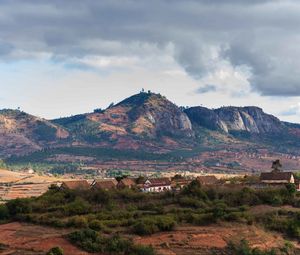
145, 121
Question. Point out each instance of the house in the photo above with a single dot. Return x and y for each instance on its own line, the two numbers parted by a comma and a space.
105, 184
207, 180
75, 185
178, 184
277, 177
156, 185
297, 184
127, 183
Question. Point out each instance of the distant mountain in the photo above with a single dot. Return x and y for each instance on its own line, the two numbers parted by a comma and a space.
148, 122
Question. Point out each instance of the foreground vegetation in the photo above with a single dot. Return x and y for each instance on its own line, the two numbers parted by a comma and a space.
107, 220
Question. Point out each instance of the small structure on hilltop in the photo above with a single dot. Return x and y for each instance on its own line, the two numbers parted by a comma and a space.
75, 185
127, 183
207, 180
277, 176
105, 184
156, 185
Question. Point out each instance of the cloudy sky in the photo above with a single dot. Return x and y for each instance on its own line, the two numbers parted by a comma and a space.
61, 57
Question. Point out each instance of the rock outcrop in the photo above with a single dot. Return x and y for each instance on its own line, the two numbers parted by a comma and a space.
251, 119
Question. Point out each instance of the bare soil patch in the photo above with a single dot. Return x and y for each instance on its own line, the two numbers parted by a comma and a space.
205, 239
27, 239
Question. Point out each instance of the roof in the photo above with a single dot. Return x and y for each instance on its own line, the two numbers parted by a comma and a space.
207, 179
128, 182
158, 182
276, 176
105, 183
79, 184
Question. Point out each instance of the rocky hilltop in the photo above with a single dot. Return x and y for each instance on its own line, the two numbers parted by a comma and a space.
251, 119
137, 121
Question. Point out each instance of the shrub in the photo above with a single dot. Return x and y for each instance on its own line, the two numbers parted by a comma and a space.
191, 202
96, 225
55, 251
78, 222
143, 250
89, 240
201, 219
19, 206
145, 227
243, 248
4, 213
148, 226
79, 206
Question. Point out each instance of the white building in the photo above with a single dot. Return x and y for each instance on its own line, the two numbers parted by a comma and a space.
156, 185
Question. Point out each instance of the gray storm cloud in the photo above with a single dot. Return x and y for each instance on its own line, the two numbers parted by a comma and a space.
261, 35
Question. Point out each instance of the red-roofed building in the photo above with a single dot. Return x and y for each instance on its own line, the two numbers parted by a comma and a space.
156, 185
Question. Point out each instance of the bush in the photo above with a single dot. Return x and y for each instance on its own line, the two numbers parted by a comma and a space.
96, 225
19, 206
191, 202
78, 222
148, 226
55, 251
79, 206
201, 219
143, 250
89, 240
243, 248
4, 213
145, 227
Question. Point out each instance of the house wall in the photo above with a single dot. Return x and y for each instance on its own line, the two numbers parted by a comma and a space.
275, 181
157, 188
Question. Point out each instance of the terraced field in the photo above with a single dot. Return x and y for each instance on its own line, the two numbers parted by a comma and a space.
21, 185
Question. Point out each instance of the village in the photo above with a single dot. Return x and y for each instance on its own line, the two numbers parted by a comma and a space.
23, 186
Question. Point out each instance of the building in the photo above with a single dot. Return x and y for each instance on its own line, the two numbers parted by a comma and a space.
207, 180
75, 185
178, 184
156, 185
105, 184
127, 183
277, 178
297, 183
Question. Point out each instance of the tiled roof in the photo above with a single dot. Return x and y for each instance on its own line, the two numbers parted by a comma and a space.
105, 183
128, 182
276, 176
159, 182
79, 184
207, 179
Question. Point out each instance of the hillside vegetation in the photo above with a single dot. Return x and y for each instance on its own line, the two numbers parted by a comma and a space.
119, 215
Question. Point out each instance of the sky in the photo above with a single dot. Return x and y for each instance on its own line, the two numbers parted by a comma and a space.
61, 57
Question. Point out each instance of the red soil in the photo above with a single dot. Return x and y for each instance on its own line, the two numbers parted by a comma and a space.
32, 238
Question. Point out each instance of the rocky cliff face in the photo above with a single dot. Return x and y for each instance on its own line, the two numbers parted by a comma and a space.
250, 119
153, 114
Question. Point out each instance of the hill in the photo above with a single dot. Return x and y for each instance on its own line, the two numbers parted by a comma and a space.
142, 120
22, 133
